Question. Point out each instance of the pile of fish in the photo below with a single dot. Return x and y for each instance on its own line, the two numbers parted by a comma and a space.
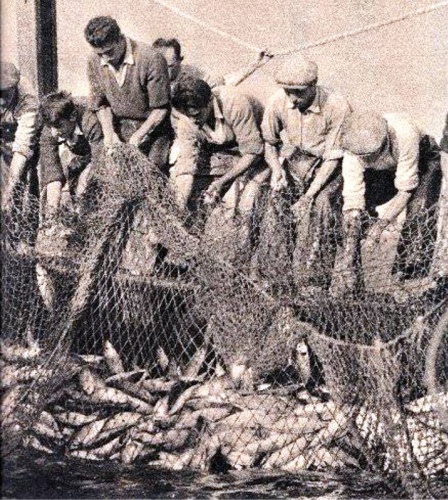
98, 411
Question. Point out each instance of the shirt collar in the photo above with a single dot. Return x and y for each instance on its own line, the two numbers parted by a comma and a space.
217, 108
315, 106
128, 56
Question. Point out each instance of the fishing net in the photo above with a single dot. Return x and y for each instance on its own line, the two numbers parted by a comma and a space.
134, 333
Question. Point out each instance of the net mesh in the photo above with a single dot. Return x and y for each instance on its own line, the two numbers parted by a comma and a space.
133, 333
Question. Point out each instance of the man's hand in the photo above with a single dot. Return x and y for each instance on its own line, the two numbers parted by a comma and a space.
300, 208
264, 56
213, 193
374, 234
278, 180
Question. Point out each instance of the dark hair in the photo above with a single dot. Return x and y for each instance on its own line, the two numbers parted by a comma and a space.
190, 92
102, 31
172, 43
56, 107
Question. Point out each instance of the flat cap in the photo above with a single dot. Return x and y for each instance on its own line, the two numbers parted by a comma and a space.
296, 72
363, 132
9, 75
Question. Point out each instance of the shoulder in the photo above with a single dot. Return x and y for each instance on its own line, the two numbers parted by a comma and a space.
144, 53
402, 130
333, 99
231, 99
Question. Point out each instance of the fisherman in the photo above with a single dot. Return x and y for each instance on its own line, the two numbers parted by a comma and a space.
389, 166
71, 145
223, 154
305, 119
171, 50
130, 90
19, 132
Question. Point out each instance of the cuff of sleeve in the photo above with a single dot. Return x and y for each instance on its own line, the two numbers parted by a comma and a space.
354, 204
333, 154
23, 150
407, 186
252, 149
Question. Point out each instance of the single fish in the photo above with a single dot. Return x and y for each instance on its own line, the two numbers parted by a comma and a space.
90, 358
136, 375
162, 359
131, 451
46, 287
74, 419
107, 449
47, 426
158, 385
112, 359
135, 390
84, 455
122, 421
194, 366
169, 440
179, 403
88, 434
99, 392
12, 375
161, 409
301, 358
14, 353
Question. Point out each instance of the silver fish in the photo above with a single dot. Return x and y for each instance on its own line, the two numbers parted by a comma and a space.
85, 455
46, 286
112, 359
74, 419
98, 391
170, 440
162, 359
131, 451
194, 366
88, 434
19, 353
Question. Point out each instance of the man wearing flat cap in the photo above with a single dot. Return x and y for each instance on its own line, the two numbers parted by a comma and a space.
307, 118
390, 165
19, 127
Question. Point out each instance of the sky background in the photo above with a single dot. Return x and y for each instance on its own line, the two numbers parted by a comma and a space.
402, 67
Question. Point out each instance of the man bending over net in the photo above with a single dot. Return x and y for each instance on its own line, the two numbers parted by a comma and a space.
130, 90
19, 131
222, 154
71, 146
390, 167
307, 118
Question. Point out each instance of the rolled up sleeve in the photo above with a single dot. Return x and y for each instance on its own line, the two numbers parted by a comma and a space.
339, 111
25, 137
408, 146
271, 125
241, 116
354, 188
158, 83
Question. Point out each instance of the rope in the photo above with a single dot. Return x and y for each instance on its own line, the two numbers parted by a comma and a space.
317, 43
207, 26
365, 29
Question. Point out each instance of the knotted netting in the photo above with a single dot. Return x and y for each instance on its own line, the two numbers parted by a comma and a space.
139, 334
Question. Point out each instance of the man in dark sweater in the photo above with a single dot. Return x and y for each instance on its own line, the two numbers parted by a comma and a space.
73, 132
130, 90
